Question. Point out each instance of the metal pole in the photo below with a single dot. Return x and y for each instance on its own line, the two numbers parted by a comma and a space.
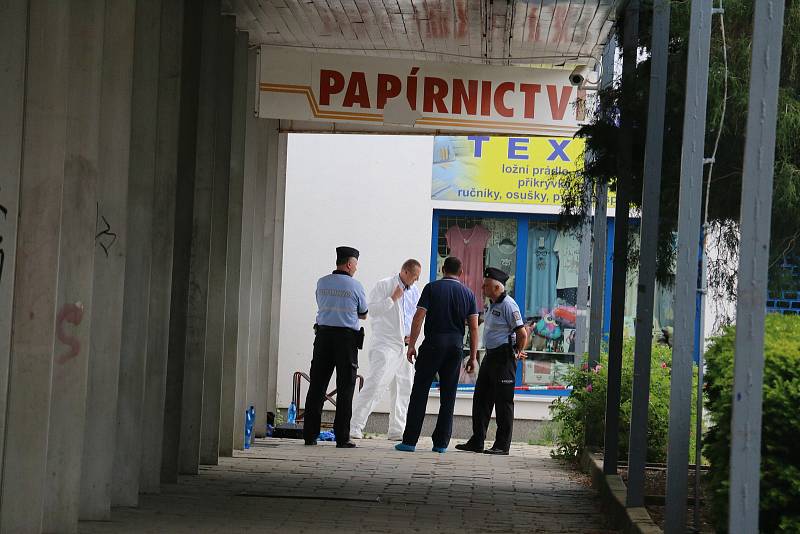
583, 277
620, 267
694, 127
651, 198
748, 374
698, 431
599, 231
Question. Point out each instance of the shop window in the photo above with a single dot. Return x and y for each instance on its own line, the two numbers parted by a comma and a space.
550, 304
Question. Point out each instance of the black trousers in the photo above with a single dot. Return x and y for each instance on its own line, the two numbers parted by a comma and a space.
435, 356
333, 349
495, 389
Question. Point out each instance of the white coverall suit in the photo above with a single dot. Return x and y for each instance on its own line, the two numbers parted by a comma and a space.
390, 323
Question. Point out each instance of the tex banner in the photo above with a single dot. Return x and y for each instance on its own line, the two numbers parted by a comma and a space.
511, 170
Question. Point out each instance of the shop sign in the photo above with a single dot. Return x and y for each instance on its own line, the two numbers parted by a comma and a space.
429, 96
511, 170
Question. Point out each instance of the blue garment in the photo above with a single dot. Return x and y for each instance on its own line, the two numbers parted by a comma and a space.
340, 300
542, 270
448, 303
500, 321
410, 299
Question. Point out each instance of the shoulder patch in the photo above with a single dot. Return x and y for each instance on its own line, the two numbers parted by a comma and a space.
517, 316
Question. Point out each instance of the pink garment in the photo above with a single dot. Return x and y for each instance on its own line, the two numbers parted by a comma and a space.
468, 246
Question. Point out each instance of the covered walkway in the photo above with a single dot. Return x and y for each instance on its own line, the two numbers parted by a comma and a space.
286, 487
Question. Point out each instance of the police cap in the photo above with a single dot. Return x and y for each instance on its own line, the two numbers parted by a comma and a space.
342, 253
495, 274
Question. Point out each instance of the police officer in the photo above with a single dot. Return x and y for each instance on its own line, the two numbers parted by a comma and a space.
504, 336
341, 302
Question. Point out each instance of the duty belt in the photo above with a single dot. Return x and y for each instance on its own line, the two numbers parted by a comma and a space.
505, 348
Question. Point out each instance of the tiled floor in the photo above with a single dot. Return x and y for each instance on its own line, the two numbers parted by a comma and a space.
283, 486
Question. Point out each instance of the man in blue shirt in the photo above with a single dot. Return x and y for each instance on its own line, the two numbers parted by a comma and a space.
445, 306
341, 302
504, 336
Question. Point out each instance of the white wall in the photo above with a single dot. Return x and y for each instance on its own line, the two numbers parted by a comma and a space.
368, 192
372, 193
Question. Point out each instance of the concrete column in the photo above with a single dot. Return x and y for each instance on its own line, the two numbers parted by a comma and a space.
268, 154
184, 194
245, 375
14, 28
215, 321
194, 362
278, 170
109, 271
35, 283
75, 268
144, 103
231, 369
169, 80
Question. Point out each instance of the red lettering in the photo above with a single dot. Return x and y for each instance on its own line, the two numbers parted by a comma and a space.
530, 90
499, 99
388, 87
558, 107
466, 97
356, 91
486, 98
434, 91
330, 83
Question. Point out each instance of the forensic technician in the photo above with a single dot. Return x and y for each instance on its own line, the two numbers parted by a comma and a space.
504, 336
392, 304
445, 306
341, 302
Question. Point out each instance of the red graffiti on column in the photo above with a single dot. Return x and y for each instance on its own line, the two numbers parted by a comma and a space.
73, 314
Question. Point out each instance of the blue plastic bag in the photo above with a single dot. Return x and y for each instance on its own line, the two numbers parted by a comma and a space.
327, 436
249, 423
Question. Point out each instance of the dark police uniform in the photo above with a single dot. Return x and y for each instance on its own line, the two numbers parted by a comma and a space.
340, 300
448, 303
497, 375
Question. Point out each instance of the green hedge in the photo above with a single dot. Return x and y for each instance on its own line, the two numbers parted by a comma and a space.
780, 463
582, 414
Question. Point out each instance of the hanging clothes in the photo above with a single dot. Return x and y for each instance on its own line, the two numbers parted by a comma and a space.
468, 246
541, 273
503, 255
568, 249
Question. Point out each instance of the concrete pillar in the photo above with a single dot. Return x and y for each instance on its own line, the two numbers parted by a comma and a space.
194, 362
278, 174
231, 370
248, 337
184, 193
128, 450
75, 268
169, 88
268, 154
35, 283
14, 29
109, 253
215, 321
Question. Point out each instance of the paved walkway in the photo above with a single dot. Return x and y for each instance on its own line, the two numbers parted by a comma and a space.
282, 486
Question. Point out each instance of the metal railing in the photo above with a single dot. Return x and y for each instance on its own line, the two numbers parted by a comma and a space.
297, 383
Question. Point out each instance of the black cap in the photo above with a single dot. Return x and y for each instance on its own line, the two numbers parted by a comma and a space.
495, 274
342, 253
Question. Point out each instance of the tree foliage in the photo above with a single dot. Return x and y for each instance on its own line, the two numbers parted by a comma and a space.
602, 141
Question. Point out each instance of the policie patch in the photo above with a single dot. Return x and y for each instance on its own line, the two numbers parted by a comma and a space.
496, 312
517, 316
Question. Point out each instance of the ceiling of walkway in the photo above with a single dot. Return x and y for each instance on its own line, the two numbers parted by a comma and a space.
502, 32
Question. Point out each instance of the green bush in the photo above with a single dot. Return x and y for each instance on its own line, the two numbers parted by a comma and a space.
582, 414
780, 464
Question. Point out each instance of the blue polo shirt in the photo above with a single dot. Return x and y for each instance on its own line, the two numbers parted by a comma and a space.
447, 303
340, 300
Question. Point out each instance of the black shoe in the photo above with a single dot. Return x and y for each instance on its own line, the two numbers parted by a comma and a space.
311, 442
500, 452
469, 447
346, 445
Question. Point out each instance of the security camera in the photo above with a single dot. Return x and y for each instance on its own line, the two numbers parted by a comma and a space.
578, 75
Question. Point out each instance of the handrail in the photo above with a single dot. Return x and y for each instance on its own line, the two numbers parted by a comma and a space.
297, 383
